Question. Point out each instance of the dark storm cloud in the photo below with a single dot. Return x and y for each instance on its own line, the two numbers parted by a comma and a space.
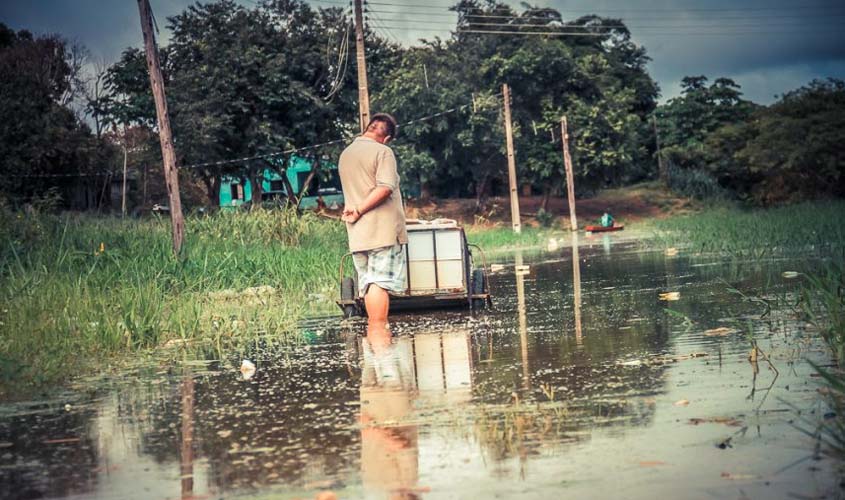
768, 47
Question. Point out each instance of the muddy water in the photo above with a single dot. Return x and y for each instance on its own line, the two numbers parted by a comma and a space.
614, 374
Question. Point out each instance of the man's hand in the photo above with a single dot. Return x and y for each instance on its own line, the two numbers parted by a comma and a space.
350, 215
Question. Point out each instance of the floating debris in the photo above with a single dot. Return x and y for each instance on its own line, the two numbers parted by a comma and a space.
247, 369
682, 402
729, 421
719, 332
669, 296
790, 274
671, 251
738, 477
496, 268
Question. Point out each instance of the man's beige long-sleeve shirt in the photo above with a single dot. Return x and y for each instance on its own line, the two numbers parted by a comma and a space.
363, 165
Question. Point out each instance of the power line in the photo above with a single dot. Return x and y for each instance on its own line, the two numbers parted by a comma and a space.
701, 9
611, 26
268, 156
722, 33
678, 17
379, 23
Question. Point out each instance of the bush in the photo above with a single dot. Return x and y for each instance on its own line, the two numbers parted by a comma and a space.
695, 183
545, 219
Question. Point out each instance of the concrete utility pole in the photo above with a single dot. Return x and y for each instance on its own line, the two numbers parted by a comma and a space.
363, 89
168, 155
660, 168
517, 226
570, 177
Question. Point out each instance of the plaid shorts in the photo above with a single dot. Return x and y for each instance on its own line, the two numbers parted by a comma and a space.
383, 266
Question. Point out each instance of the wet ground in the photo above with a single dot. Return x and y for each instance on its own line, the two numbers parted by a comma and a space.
616, 374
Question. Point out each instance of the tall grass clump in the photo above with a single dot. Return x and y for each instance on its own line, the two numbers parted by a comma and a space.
823, 305
814, 227
75, 290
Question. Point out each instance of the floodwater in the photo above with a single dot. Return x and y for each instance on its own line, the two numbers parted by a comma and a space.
614, 374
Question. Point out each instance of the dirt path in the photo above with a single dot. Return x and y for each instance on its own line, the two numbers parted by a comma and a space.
627, 205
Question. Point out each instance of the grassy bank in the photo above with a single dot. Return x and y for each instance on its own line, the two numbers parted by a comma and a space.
817, 227
79, 291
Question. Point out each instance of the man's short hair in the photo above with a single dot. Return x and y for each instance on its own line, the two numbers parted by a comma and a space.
390, 125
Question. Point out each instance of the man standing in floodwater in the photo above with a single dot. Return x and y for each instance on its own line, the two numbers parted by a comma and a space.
374, 215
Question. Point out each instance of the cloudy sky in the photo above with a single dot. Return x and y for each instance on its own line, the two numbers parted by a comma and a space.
769, 47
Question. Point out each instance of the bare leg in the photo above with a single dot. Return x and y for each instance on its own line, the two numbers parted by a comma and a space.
377, 302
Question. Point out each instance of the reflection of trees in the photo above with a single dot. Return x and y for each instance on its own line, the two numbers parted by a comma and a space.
53, 452
576, 379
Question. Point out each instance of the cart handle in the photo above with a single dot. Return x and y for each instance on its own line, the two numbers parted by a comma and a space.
342, 259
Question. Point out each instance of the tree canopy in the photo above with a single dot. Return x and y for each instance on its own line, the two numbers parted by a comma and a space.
40, 135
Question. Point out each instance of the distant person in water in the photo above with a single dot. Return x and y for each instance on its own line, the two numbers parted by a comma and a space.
374, 214
606, 219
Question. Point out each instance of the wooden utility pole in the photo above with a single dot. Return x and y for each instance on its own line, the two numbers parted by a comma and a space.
168, 155
123, 189
517, 226
570, 177
660, 168
363, 89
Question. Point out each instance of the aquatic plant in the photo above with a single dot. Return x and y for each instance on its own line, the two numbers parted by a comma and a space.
823, 305
814, 227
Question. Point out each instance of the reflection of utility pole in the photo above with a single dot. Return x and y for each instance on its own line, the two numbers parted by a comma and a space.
570, 176
186, 452
168, 155
576, 286
520, 272
363, 90
517, 227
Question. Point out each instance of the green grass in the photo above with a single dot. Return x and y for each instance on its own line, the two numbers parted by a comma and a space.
817, 227
67, 305
503, 238
79, 292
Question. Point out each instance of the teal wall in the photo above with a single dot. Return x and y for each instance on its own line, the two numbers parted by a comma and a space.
298, 167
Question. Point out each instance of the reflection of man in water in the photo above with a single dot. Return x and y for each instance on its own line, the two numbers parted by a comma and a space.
389, 454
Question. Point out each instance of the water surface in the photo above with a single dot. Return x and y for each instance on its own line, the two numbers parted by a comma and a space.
613, 373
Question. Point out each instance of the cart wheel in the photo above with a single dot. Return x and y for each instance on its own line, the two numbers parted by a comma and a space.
349, 311
347, 292
479, 286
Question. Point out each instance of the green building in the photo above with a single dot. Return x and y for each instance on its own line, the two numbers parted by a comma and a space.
325, 185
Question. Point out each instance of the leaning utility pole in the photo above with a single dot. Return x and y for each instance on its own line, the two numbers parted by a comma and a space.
570, 176
517, 227
363, 91
168, 155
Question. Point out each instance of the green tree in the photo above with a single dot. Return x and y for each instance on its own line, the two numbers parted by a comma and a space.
793, 149
239, 85
41, 136
687, 121
598, 81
